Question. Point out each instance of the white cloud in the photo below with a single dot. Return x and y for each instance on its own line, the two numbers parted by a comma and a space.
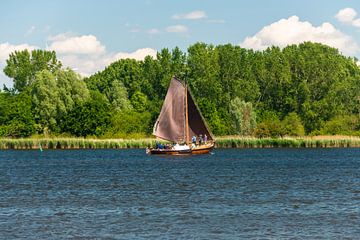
348, 16
86, 44
177, 29
293, 31
83, 65
88, 55
139, 54
191, 15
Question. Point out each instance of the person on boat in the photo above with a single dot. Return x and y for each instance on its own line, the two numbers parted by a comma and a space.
200, 139
193, 139
205, 139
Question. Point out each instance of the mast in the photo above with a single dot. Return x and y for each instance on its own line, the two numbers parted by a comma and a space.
186, 116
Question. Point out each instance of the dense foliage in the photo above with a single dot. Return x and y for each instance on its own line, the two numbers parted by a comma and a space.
302, 89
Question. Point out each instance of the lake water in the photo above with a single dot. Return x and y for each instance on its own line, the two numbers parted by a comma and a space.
231, 194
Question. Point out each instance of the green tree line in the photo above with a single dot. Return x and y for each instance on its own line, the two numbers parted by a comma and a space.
305, 89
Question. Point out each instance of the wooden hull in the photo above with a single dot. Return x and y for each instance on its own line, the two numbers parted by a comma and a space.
202, 149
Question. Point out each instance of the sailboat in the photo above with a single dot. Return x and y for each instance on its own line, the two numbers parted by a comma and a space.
180, 121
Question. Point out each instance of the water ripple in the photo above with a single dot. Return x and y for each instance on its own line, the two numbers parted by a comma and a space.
233, 194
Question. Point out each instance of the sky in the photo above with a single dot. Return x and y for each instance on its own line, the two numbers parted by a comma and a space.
88, 35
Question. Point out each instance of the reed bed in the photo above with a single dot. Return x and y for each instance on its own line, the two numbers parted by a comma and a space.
74, 143
290, 142
221, 142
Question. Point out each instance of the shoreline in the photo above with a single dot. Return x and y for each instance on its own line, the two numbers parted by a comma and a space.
221, 142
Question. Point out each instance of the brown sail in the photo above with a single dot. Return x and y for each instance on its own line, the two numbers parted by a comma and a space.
197, 124
170, 124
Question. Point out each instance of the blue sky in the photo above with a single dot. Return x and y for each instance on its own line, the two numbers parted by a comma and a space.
88, 35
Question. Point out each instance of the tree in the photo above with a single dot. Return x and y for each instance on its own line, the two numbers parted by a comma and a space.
118, 96
16, 119
46, 101
292, 125
235, 73
150, 80
178, 63
129, 122
269, 126
54, 94
22, 66
72, 88
346, 125
89, 118
164, 71
203, 64
243, 116
139, 101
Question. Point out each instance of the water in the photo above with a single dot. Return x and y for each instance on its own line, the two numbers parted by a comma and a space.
232, 194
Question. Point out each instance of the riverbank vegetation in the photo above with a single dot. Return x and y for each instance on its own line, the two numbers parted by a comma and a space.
302, 90
221, 142
73, 143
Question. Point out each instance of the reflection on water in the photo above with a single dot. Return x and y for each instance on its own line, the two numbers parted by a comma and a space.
232, 194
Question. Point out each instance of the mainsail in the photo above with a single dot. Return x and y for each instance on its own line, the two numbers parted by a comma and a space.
171, 123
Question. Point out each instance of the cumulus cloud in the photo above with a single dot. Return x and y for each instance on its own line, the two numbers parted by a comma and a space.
85, 54
86, 44
177, 29
191, 15
293, 31
346, 15
139, 54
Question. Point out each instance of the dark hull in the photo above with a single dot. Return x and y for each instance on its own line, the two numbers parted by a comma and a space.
203, 149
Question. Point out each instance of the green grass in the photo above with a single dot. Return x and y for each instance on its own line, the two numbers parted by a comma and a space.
221, 142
